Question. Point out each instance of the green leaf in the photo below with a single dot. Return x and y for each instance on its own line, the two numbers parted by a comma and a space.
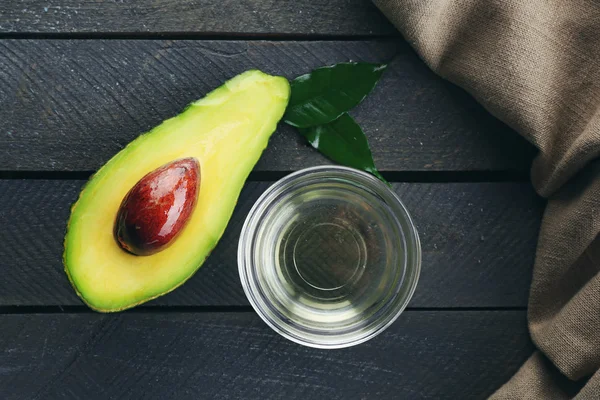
344, 142
326, 93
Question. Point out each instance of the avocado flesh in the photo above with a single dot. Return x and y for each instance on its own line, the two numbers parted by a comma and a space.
226, 131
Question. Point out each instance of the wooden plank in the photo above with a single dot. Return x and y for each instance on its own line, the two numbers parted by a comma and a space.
440, 355
69, 105
209, 17
478, 241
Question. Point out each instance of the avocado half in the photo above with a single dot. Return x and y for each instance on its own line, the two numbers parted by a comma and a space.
226, 131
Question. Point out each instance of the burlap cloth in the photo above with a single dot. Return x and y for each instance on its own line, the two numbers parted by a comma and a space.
535, 64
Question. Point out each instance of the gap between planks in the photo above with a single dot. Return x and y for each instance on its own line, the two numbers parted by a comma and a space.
280, 37
260, 176
57, 309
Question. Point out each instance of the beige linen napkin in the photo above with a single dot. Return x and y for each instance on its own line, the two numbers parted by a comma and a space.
535, 64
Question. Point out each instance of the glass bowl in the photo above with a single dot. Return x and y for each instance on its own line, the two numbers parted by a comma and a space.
329, 256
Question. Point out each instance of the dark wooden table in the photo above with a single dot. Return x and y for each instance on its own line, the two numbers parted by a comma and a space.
80, 79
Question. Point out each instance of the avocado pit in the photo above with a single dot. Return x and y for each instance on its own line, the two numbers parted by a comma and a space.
158, 207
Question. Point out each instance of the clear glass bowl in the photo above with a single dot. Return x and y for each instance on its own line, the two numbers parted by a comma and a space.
329, 257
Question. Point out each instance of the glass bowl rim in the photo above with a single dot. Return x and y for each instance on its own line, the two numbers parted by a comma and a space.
246, 267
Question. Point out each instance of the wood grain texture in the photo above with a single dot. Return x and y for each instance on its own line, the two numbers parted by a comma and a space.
423, 355
69, 105
206, 17
478, 242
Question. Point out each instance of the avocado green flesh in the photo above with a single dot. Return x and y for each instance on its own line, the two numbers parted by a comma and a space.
226, 131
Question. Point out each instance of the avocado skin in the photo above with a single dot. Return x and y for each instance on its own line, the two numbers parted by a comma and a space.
108, 290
